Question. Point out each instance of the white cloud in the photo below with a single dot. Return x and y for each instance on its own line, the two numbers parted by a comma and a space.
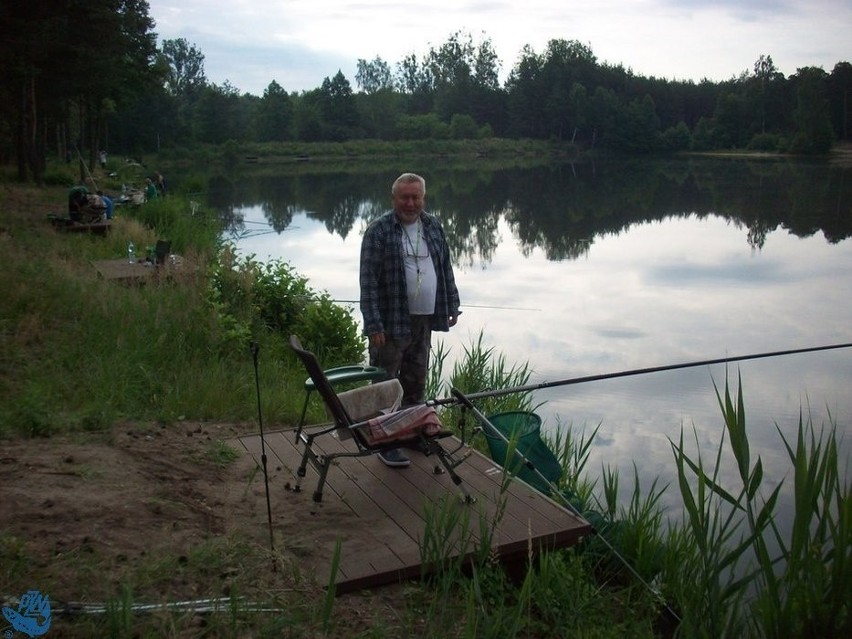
300, 42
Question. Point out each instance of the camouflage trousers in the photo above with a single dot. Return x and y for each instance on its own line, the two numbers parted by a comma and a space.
407, 359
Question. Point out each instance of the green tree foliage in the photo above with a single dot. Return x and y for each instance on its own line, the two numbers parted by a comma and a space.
378, 112
463, 127
840, 99
219, 115
526, 94
422, 127
68, 62
185, 68
637, 127
812, 113
374, 76
728, 120
677, 138
116, 89
548, 91
457, 77
274, 115
184, 81
602, 112
307, 118
338, 109
414, 80
759, 88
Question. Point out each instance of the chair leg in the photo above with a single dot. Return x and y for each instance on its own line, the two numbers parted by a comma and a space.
302, 418
323, 472
302, 470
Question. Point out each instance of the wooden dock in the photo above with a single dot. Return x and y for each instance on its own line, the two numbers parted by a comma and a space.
365, 500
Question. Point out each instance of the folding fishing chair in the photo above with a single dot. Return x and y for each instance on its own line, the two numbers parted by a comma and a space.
370, 416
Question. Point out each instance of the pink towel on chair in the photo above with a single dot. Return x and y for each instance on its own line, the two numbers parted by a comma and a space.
404, 424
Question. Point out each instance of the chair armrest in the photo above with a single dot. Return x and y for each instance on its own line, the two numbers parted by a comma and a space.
346, 374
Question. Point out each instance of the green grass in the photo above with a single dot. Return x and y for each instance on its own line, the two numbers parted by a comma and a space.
221, 454
80, 353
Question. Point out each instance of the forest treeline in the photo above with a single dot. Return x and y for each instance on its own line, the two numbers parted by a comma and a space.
86, 76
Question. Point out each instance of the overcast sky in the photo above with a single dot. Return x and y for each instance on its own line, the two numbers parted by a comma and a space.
298, 43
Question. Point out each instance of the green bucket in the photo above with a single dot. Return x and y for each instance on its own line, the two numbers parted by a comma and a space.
524, 428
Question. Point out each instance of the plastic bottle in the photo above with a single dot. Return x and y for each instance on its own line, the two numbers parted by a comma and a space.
131, 253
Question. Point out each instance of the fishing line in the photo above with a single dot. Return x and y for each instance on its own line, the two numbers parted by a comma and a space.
499, 308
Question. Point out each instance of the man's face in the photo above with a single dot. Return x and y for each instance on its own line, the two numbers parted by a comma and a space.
408, 201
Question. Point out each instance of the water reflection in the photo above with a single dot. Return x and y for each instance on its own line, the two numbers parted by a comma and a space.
561, 209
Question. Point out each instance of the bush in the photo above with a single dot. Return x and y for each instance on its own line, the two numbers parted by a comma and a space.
252, 297
463, 127
677, 138
764, 142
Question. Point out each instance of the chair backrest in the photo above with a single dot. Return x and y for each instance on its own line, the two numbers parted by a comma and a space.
321, 384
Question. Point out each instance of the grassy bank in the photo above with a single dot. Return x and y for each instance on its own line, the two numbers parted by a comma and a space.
81, 352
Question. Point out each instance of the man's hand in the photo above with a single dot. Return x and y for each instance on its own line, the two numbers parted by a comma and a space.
377, 340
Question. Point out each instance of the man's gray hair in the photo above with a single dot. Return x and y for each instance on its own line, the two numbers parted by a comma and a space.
408, 178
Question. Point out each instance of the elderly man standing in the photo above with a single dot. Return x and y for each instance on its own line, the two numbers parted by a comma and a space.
407, 290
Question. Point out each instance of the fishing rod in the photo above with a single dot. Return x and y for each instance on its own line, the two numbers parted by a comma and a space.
86, 166
255, 349
499, 308
636, 371
555, 493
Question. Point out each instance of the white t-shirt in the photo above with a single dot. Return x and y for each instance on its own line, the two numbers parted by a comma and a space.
420, 279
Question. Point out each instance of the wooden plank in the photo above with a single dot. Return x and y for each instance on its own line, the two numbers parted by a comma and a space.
391, 504
392, 551
123, 270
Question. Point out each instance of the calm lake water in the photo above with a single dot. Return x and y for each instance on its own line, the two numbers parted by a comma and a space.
594, 268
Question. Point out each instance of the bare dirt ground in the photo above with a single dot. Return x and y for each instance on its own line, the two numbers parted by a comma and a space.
136, 492
117, 497
151, 507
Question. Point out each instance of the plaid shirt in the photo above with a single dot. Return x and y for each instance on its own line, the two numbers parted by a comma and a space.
384, 302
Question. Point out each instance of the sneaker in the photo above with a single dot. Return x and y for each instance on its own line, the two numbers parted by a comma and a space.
394, 458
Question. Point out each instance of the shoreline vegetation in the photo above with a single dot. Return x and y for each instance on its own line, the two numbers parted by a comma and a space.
454, 150
83, 357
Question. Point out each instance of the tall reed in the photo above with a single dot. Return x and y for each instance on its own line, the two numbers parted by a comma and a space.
732, 570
